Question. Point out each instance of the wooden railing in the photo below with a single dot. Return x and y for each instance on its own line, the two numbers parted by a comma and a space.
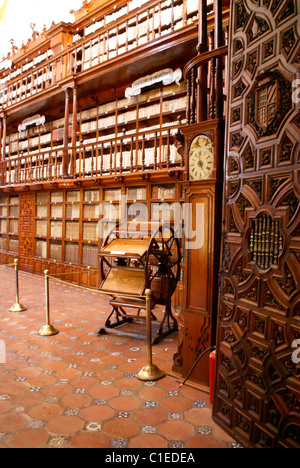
214, 88
205, 74
151, 22
133, 154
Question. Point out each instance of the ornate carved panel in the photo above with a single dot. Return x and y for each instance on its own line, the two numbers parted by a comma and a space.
257, 376
26, 232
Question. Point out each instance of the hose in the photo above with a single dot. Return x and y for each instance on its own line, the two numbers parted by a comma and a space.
195, 364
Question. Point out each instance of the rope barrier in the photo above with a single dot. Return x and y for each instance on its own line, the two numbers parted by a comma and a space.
149, 372
7, 265
55, 278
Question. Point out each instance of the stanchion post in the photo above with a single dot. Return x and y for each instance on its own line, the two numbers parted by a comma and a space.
150, 371
17, 307
47, 329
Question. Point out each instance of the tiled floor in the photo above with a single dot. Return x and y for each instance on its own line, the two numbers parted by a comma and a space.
77, 389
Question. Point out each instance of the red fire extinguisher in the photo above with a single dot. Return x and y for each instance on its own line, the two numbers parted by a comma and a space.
212, 360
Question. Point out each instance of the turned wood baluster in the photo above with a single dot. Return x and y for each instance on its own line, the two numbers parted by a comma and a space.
101, 160
212, 104
121, 156
9, 167
106, 46
148, 24
263, 241
193, 97
159, 20
255, 241
43, 167
48, 167
168, 148
188, 110
16, 178
212, 80
184, 12
272, 242
267, 260
153, 22
110, 158
83, 162
155, 151
56, 166
276, 243
96, 161
126, 33
259, 246
137, 31
30, 170
219, 61
117, 40
131, 154
92, 161
143, 152
203, 70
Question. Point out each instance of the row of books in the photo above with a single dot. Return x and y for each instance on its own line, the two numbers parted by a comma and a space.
89, 253
30, 138
12, 229
3, 243
88, 165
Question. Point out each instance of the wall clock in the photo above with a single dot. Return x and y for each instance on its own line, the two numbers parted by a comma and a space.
201, 158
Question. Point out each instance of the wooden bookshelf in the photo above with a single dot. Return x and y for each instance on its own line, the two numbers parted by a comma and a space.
3, 221
13, 224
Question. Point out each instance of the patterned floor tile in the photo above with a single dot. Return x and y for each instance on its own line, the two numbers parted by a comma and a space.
79, 389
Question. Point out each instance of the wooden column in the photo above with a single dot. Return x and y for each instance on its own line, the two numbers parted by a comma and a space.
66, 135
219, 62
74, 132
202, 73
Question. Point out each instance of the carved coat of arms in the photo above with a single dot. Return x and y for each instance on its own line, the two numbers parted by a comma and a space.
266, 102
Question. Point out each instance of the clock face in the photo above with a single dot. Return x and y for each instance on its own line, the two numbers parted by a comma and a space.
201, 158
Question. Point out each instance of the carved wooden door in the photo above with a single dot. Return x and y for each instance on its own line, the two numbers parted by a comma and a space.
257, 363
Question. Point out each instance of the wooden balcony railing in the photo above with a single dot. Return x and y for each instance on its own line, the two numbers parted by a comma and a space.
153, 21
205, 74
213, 87
135, 154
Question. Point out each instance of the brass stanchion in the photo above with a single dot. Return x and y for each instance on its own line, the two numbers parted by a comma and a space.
17, 307
150, 371
47, 329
